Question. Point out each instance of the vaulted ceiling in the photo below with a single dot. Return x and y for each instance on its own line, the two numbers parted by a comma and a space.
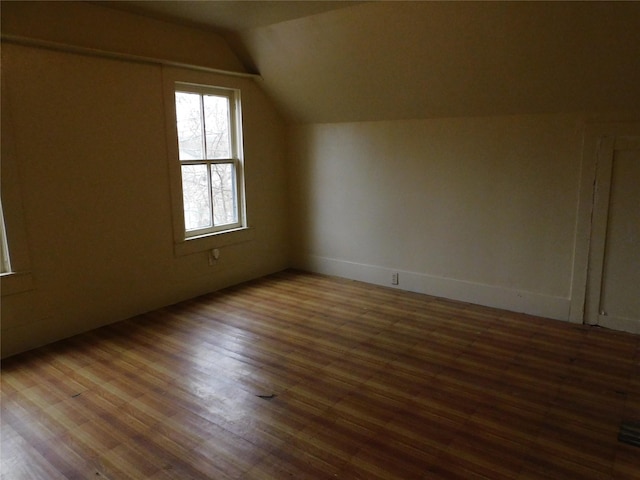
381, 60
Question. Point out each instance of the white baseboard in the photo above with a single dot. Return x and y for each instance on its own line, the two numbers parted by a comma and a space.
622, 324
480, 294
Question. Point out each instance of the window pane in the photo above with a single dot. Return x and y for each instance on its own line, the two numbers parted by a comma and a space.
223, 185
189, 121
197, 202
216, 120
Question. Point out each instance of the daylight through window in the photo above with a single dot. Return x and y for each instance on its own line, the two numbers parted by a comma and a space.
210, 152
5, 266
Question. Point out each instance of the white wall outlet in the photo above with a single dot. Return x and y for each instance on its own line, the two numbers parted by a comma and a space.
214, 255
394, 278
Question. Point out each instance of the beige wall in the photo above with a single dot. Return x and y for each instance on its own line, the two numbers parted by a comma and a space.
86, 136
478, 209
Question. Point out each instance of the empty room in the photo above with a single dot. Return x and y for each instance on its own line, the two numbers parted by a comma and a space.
320, 239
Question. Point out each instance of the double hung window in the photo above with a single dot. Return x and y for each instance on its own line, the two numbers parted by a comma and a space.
209, 128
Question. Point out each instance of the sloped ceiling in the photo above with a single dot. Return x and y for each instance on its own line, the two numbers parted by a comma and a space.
227, 15
356, 61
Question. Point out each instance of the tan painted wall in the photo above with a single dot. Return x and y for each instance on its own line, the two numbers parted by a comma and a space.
87, 138
479, 209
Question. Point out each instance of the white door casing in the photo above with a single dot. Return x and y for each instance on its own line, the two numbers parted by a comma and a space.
612, 290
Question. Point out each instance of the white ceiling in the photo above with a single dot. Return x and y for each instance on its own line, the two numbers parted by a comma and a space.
381, 60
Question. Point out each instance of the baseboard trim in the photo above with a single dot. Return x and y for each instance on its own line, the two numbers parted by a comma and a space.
480, 294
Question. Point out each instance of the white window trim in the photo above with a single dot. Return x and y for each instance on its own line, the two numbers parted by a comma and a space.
5, 262
19, 279
241, 232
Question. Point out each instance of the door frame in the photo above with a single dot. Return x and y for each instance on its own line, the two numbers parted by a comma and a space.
599, 140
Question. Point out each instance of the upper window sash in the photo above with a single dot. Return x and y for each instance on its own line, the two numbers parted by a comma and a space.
235, 116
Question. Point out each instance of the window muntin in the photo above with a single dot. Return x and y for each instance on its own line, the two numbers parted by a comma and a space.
208, 125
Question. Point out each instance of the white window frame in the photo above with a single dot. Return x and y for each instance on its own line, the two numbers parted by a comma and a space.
5, 262
235, 160
16, 276
242, 232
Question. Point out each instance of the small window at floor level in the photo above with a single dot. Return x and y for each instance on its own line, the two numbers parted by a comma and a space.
209, 127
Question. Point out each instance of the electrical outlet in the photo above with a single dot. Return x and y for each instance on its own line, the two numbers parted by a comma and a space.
214, 255
394, 278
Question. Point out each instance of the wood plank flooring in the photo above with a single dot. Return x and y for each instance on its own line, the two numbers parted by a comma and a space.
310, 377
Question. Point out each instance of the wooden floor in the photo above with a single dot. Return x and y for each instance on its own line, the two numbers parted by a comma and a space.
299, 376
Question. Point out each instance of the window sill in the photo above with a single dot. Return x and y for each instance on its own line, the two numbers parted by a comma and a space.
213, 240
15, 282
